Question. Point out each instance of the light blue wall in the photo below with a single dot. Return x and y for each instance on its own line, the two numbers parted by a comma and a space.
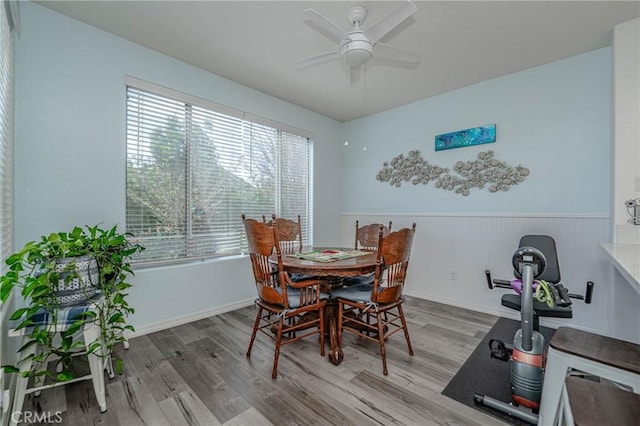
554, 119
70, 150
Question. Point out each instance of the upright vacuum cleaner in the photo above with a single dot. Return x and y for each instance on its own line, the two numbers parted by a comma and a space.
527, 356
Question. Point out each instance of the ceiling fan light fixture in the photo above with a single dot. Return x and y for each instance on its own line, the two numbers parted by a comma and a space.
357, 51
356, 57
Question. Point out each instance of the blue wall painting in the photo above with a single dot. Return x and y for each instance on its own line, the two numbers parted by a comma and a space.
467, 137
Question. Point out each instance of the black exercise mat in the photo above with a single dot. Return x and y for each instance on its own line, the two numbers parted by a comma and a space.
484, 375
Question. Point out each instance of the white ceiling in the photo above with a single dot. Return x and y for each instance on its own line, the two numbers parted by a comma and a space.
257, 43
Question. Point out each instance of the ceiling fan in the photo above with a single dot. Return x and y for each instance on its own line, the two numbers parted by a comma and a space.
359, 45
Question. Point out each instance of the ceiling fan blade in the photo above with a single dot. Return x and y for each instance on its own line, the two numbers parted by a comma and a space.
380, 28
318, 59
384, 51
328, 28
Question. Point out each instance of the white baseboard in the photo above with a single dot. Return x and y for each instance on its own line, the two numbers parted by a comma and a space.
509, 313
452, 302
174, 322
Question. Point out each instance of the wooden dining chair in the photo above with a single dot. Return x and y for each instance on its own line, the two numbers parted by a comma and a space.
367, 239
375, 313
289, 233
367, 235
290, 237
294, 309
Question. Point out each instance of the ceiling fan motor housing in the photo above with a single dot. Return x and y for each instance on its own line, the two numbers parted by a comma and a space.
356, 15
357, 50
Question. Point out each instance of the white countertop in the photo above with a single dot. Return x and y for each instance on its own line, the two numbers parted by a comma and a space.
626, 259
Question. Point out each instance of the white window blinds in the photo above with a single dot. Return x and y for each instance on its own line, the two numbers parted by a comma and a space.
194, 168
6, 133
7, 21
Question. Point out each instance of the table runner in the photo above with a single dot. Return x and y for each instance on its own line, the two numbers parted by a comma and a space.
329, 255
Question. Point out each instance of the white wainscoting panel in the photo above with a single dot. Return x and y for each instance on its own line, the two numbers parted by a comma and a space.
471, 244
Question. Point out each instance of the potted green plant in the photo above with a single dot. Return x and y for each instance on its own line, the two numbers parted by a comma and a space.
64, 269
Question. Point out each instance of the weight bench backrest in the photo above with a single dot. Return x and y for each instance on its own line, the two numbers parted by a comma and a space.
551, 274
547, 246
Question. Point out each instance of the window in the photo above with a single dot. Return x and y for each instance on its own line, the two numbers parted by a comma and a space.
194, 167
8, 21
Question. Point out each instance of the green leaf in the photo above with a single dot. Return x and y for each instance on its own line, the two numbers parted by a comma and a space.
14, 258
41, 290
30, 356
41, 373
36, 287
28, 344
123, 286
73, 328
77, 345
32, 310
24, 324
76, 233
118, 363
10, 369
64, 376
56, 237
66, 343
85, 315
11, 275
5, 291
115, 318
92, 347
16, 267
18, 313
41, 336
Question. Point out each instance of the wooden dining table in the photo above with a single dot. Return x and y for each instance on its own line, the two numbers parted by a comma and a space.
332, 274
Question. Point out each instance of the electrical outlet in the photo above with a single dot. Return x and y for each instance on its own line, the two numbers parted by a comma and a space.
453, 275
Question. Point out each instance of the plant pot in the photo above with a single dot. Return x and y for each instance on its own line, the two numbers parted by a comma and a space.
78, 279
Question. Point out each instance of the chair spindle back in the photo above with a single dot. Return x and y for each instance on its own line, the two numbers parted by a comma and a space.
394, 251
262, 240
289, 233
367, 235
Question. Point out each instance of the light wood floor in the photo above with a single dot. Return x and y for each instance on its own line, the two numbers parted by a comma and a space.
197, 374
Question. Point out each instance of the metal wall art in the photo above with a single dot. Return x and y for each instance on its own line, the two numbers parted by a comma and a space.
485, 171
467, 137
